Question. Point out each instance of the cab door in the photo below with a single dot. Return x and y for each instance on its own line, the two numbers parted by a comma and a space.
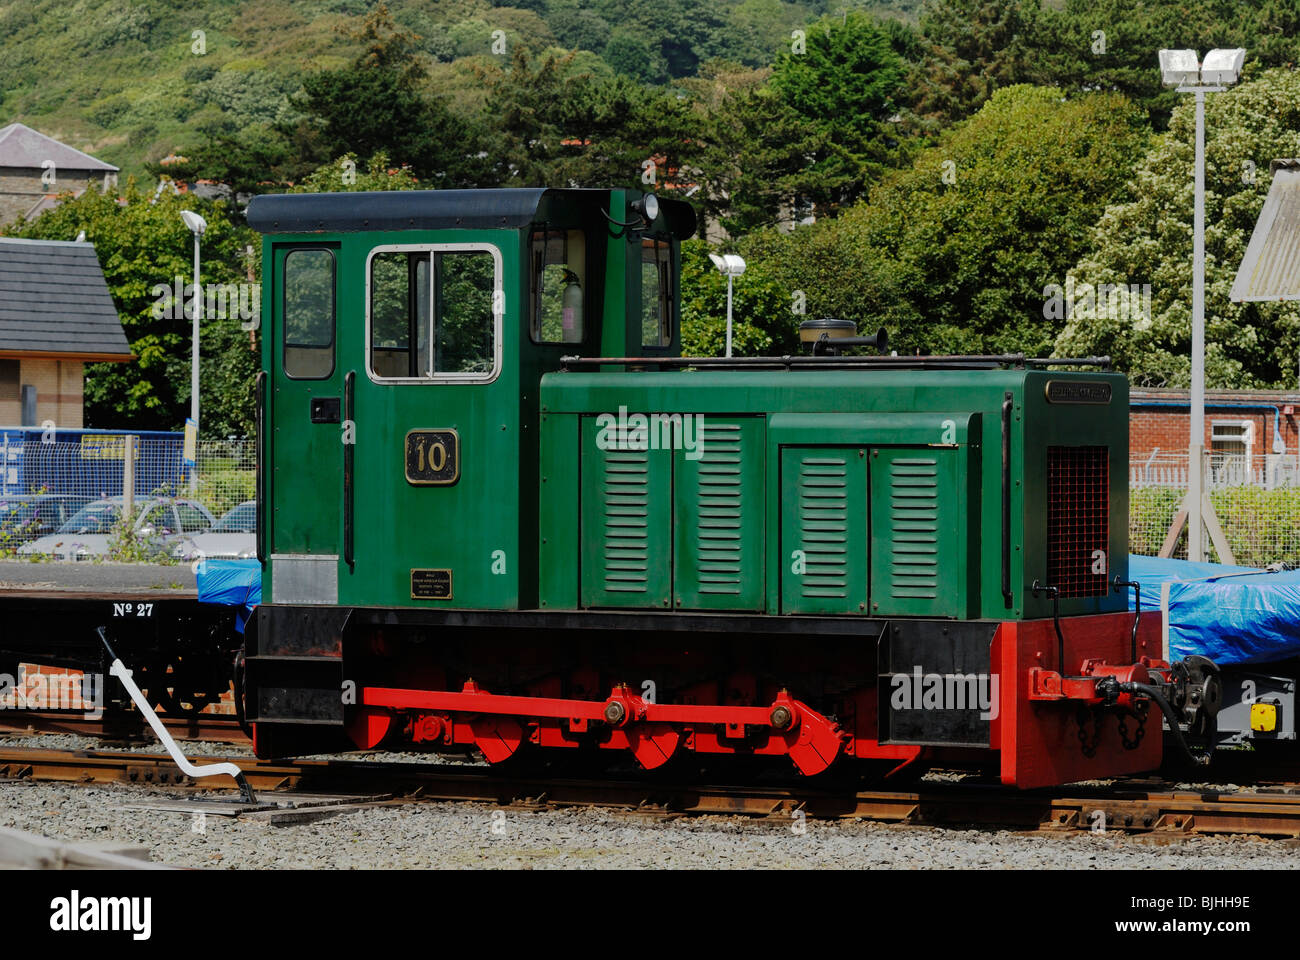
435, 403
306, 411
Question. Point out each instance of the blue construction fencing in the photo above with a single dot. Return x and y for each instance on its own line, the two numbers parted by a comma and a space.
83, 465
89, 463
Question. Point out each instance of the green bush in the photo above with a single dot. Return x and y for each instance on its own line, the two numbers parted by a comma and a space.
126, 545
1262, 526
223, 485
110, 110
1150, 511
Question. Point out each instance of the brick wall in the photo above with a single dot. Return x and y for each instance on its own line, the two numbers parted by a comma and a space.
1163, 430
58, 688
60, 386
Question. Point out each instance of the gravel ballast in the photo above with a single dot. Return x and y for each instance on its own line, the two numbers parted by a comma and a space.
455, 835
459, 835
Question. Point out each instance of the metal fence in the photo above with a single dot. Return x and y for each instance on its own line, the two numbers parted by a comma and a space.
43, 483
1221, 470
1256, 501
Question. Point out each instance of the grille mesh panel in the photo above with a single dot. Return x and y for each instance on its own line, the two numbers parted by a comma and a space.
1078, 520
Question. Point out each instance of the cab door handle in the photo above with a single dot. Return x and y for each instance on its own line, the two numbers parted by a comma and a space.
349, 447
259, 481
324, 409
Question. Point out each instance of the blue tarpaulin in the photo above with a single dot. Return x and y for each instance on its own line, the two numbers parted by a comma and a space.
232, 583
1229, 614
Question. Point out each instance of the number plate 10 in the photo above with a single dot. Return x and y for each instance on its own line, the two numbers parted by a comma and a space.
432, 457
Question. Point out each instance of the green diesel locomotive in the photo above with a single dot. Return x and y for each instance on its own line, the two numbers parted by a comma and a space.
500, 512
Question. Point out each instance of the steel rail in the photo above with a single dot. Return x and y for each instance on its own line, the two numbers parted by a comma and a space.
1140, 807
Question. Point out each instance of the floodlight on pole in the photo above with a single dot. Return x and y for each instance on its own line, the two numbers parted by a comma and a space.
1180, 69
197, 226
1222, 67
730, 266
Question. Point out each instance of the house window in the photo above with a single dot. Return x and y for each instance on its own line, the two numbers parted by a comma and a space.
1230, 451
9, 380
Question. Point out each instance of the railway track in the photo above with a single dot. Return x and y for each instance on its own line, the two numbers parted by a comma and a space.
1144, 807
215, 728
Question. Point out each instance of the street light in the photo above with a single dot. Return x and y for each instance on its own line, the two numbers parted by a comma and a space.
1221, 69
730, 266
196, 225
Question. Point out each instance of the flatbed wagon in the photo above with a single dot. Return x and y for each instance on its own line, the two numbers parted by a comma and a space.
180, 649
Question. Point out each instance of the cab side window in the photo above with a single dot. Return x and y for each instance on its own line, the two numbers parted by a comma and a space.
308, 314
559, 282
657, 294
399, 315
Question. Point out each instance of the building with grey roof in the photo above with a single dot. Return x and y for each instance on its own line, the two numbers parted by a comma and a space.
34, 169
56, 315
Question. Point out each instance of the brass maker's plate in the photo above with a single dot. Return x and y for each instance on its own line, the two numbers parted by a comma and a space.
430, 584
432, 457
1077, 391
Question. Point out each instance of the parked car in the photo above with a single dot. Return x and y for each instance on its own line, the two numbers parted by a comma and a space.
158, 523
26, 517
234, 536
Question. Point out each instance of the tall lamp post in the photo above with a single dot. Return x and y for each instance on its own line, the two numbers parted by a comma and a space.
730, 266
197, 225
1220, 70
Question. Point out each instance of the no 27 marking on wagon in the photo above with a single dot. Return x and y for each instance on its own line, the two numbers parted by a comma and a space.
133, 609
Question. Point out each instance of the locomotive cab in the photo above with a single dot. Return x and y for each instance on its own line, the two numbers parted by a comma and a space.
407, 336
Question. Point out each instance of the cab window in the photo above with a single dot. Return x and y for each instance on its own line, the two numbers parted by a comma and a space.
308, 314
431, 314
559, 284
656, 293
399, 315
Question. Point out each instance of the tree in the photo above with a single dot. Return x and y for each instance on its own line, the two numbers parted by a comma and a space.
682, 34
1114, 44
580, 29
842, 84
977, 46
974, 47
755, 160
376, 104
142, 245
247, 159
347, 175
632, 55
557, 127
1147, 240
953, 254
757, 305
